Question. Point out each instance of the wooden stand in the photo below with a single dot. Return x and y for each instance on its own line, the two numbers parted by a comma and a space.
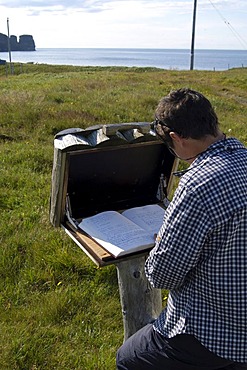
141, 304
112, 167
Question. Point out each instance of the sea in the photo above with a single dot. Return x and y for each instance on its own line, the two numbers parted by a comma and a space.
171, 59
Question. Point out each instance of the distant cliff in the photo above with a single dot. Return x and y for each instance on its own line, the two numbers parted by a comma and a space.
25, 43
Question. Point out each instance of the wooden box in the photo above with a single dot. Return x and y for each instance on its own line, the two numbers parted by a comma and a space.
108, 167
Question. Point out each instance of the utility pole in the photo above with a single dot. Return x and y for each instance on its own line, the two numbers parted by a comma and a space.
193, 37
9, 49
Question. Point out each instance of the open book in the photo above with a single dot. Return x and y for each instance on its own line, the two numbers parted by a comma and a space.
127, 232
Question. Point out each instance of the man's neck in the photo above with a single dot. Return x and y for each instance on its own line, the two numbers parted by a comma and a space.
196, 147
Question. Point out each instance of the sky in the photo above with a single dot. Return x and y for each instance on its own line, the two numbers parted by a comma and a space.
165, 24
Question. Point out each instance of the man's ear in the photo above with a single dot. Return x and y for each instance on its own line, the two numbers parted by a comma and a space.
175, 137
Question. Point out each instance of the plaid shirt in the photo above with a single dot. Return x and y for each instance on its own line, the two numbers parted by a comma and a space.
200, 253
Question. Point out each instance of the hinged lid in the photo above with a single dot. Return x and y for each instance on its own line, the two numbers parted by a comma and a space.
108, 167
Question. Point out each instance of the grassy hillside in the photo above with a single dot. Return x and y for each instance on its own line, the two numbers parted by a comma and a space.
57, 309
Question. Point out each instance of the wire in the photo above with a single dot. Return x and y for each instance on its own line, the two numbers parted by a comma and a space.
236, 34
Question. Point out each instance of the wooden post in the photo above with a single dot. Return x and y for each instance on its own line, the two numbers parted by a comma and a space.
57, 201
141, 304
9, 50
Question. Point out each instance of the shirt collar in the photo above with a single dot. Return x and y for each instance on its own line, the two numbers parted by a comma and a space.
226, 144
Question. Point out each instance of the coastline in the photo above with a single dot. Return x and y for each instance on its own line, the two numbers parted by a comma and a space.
178, 59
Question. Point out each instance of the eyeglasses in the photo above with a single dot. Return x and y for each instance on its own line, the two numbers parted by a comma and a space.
154, 125
161, 123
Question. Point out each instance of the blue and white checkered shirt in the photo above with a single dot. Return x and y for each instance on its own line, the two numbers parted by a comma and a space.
200, 254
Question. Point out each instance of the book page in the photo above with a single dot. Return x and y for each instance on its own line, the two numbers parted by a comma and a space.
149, 217
116, 233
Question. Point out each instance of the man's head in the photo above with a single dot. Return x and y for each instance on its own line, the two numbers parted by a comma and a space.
187, 113
187, 123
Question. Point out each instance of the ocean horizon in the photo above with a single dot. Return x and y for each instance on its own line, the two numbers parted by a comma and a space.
172, 59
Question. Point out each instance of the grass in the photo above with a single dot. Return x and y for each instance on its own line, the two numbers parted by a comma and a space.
57, 309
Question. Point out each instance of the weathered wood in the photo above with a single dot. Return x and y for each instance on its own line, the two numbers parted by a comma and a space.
58, 172
143, 127
141, 304
171, 179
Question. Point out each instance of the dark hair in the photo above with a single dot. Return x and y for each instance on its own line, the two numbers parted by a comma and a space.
188, 113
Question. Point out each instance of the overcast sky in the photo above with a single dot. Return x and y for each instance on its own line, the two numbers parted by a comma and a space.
220, 24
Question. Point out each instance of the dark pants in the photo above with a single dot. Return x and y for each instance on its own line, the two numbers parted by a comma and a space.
148, 350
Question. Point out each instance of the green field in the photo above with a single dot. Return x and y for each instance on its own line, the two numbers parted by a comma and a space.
57, 309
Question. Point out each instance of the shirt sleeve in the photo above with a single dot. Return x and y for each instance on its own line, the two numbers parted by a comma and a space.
179, 242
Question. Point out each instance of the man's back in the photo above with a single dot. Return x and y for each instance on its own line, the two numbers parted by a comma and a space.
202, 255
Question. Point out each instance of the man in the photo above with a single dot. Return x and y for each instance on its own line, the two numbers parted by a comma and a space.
200, 251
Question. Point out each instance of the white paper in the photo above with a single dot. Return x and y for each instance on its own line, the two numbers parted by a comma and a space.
119, 235
148, 217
